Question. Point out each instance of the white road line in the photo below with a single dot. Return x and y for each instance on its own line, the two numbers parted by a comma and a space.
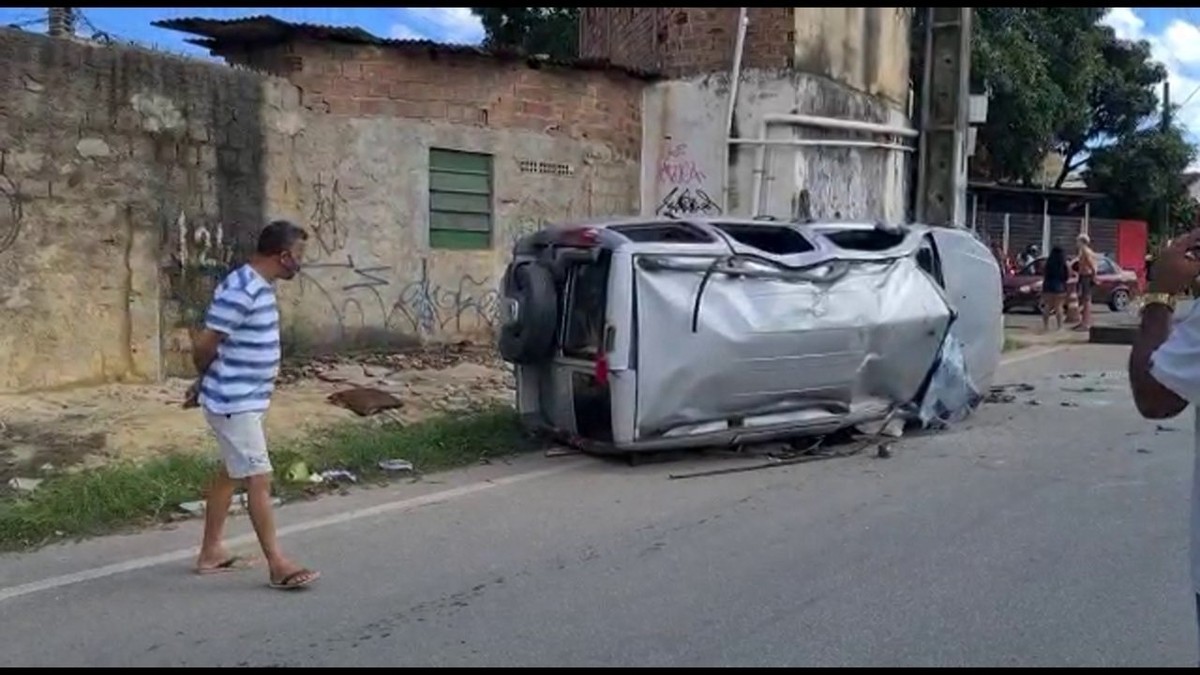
336, 519
1027, 355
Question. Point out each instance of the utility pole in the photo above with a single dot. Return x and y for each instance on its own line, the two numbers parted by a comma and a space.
945, 125
61, 20
1166, 127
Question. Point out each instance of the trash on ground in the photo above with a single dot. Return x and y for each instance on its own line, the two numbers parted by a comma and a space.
884, 451
335, 475
365, 401
24, 484
1003, 393
298, 473
889, 426
809, 454
1143, 451
196, 508
395, 465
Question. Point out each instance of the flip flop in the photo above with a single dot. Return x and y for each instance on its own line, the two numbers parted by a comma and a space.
290, 583
234, 563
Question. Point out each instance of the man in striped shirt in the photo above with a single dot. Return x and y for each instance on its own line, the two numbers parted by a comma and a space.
237, 355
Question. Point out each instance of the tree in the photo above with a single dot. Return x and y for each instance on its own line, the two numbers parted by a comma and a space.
553, 31
1142, 171
1059, 81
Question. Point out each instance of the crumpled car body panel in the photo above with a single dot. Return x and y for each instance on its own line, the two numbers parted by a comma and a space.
724, 343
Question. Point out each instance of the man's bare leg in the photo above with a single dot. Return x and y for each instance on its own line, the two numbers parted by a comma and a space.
216, 511
262, 515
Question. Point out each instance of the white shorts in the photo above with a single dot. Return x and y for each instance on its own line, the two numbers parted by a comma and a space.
242, 441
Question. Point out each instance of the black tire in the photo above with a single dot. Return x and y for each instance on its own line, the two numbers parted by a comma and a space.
1119, 301
530, 337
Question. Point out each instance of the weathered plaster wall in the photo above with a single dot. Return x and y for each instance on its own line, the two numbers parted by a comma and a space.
565, 145
865, 48
106, 157
683, 145
371, 277
131, 181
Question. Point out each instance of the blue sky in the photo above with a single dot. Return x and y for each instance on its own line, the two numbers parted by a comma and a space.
1174, 33
445, 24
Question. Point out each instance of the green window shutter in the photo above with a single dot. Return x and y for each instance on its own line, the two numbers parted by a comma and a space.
460, 199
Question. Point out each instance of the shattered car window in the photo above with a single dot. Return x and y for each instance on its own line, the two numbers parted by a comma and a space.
585, 322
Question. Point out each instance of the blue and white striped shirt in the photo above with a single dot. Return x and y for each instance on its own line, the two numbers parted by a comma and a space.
242, 376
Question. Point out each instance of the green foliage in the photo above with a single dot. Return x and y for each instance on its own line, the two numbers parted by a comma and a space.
1060, 82
553, 31
1144, 170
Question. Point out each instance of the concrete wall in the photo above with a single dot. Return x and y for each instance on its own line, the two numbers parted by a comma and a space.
683, 162
131, 181
565, 146
106, 158
850, 64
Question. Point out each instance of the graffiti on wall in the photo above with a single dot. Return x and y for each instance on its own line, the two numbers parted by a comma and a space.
682, 179
532, 213
368, 297
202, 257
11, 214
326, 227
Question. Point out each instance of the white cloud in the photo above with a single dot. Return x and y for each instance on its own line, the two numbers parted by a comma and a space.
454, 25
1177, 48
402, 31
1126, 24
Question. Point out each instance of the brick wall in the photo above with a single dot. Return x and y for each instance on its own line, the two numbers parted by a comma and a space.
686, 40
365, 81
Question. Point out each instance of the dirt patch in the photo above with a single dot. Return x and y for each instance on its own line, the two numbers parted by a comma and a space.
88, 427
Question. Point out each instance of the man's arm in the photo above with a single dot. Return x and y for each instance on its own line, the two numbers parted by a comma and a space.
1163, 371
1153, 400
204, 349
227, 312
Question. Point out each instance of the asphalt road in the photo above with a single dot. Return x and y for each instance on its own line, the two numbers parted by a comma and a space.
1033, 535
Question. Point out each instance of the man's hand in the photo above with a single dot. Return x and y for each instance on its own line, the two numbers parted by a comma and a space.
1177, 268
192, 398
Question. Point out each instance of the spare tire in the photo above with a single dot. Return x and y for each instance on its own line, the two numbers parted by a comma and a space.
527, 336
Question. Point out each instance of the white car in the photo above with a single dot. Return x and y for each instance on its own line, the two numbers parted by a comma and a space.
651, 334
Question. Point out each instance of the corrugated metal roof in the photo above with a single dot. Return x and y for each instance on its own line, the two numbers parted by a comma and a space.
265, 30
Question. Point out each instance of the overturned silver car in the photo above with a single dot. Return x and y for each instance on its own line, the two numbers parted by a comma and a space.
688, 332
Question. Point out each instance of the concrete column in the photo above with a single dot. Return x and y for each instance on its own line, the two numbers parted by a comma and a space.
945, 108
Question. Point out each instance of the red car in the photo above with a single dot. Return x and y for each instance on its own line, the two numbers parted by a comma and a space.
1115, 287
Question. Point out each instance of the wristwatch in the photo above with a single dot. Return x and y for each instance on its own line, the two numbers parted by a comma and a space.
1165, 299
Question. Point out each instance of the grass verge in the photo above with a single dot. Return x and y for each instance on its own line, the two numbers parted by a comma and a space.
127, 495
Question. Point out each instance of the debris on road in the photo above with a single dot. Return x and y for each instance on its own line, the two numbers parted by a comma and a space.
335, 475
196, 508
24, 484
1143, 451
809, 454
395, 465
1003, 393
884, 451
365, 401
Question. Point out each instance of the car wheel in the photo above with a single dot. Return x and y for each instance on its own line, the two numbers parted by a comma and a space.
1119, 301
527, 335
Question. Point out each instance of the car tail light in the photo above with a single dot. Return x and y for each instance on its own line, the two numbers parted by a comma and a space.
600, 369
584, 237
